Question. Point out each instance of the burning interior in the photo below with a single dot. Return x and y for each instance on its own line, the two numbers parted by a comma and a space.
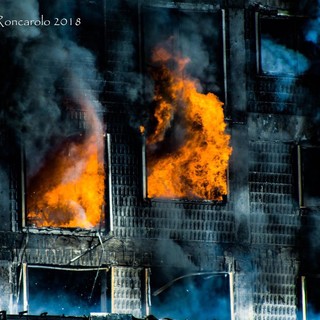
176, 69
187, 145
68, 190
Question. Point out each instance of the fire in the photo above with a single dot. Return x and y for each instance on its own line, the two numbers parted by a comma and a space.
69, 190
197, 167
142, 129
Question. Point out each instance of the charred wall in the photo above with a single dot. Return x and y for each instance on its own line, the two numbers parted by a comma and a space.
255, 235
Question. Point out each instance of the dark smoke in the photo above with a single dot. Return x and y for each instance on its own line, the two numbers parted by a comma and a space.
195, 35
52, 68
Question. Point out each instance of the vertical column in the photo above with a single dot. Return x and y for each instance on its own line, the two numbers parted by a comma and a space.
6, 202
299, 164
304, 298
239, 166
109, 188
144, 168
239, 169
104, 288
242, 295
231, 285
5, 288
147, 292
25, 291
22, 179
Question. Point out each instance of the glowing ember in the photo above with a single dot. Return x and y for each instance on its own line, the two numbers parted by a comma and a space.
197, 167
142, 129
69, 190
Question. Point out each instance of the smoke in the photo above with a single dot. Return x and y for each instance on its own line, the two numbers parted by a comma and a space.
60, 292
196, 39
26, 10
48, 60
204, 297
171, 253
195, 35
280, 60
312, 30
4, 199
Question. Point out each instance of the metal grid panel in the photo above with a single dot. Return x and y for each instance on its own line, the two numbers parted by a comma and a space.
274, 290
168, 221
14, 199
5, 285
126, 293
273, 217
273, 95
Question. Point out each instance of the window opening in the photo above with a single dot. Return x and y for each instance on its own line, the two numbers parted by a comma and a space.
67, 189
308, 179
187, 147
310, 290
204, 295
66, 292
283, 48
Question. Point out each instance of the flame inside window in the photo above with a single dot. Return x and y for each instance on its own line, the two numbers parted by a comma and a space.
68, 191
187, 146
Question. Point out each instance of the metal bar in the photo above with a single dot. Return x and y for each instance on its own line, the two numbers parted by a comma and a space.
68, 269
170, 283
13, 280
300, 189
144, 168
147, 272
224, 45
304, 298
231, 284
23, 193
109, 182
25, 287
258, 49
113, 309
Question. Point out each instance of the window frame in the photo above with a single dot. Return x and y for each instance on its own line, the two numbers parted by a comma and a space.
185, 7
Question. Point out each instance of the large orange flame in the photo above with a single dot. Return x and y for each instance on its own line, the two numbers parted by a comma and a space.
198, 168
69, 190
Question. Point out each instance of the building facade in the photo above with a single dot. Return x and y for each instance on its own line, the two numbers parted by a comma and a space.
247, 252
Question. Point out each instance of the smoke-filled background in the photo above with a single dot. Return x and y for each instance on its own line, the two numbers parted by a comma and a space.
74, 293
43, 66
45, 69
191, 296
49, 79
47, 72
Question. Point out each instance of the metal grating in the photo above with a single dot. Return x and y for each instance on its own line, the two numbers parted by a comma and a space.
5, 285
126, 292
274, 290
14, 199
273, 216
269, 94
171, 220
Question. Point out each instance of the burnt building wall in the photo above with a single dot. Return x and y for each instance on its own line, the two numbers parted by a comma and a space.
253, 236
